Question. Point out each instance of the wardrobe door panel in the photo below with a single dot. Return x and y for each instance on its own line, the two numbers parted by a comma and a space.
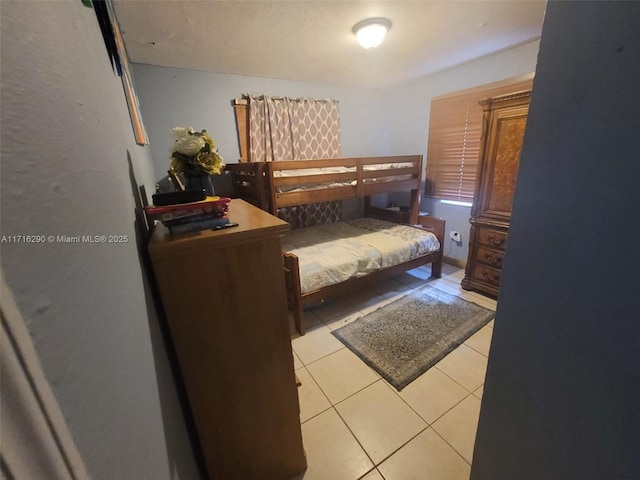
504, 158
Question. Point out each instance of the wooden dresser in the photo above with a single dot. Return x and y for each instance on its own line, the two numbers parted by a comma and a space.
224, 297
504, 122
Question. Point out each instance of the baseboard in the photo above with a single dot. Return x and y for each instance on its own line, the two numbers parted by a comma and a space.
456, 262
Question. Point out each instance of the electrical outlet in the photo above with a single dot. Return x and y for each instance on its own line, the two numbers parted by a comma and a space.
455, 236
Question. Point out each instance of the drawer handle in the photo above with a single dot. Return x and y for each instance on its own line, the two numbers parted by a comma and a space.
492, 260
494, 277
495, 242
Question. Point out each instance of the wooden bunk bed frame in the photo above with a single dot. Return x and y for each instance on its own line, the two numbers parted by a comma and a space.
259, 183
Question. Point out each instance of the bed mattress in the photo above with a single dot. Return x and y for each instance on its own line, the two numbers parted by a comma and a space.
328, 170
332, 253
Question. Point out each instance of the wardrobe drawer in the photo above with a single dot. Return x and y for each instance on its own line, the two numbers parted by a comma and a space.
487, 274
490, 257
492, 238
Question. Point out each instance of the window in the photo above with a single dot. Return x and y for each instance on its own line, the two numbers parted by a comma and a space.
455, 130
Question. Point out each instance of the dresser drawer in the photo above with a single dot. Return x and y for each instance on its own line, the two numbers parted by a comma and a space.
492, 238
490, 257
487, 274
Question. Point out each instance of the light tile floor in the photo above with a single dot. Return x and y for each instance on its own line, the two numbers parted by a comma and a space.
357, 426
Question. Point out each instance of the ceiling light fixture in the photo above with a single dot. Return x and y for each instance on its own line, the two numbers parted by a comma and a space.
371, 32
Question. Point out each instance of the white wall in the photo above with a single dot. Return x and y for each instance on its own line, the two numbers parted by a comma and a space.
66, 143
562, 392
171, 97
409, 107
373, 122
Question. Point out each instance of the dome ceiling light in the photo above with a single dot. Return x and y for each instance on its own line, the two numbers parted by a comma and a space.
371, 32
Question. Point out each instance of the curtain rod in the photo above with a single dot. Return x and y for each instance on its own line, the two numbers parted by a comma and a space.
245, 97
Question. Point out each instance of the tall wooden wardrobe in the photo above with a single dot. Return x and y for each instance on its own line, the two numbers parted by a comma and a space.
504, 121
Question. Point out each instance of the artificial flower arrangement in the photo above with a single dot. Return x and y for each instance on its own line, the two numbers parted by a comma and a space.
194, 153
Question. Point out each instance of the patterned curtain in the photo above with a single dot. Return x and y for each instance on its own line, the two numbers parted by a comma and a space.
283, 128
319, 213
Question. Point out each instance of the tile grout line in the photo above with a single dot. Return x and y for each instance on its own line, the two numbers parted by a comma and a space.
320, 358
451, 446
345, 398
323, 322
376, 465
354, 436
475, 349
430, 424
321, 391
453, 379
367, 472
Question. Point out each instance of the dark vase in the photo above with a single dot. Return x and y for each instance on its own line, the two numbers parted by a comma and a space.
199, 182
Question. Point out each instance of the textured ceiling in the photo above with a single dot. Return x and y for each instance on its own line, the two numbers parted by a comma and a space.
313, 40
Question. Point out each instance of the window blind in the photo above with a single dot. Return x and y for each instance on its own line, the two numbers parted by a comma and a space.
455, 131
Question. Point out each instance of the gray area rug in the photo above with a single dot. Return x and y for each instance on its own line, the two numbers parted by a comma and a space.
405, 338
